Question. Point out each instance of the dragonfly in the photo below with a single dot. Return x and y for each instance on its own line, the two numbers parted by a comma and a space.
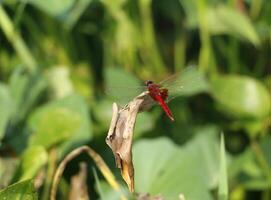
160, 95
183, 83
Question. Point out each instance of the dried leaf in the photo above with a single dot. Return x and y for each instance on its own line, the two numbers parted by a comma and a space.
78, 184
120, 134
97, 159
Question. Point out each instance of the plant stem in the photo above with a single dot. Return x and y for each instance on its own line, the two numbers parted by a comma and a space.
99, 162
150, 50
205, 50
50, 173
255, 9
16, 41
179, 53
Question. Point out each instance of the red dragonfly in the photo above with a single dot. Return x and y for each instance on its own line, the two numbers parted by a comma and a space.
159, 95
186, 82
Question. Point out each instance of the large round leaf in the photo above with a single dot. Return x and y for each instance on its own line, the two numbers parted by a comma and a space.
241, 96
164, 168
59, 121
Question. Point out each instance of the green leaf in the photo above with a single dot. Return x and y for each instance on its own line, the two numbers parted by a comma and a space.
103, 112
265, 144
98, 184
78, 9
68, 11
163, 168
144, 123
246, 167
106, 192
6, 109
54, 8
190, 9
20, 190
54, 126
59, 121
24, 89
223, 183
224, 19
31, 161
59, 82
206, 144
254, 127
241, 96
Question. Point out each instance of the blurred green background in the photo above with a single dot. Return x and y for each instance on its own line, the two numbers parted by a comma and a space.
58, 57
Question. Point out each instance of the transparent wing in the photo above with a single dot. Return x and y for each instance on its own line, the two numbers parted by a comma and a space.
123, 94
185, 83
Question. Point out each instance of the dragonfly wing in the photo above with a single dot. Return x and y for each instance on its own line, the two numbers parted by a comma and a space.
123, 94
187, 82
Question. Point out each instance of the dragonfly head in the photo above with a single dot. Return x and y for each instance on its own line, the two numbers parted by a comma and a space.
147, 83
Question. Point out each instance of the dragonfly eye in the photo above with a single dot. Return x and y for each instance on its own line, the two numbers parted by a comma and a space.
147, 83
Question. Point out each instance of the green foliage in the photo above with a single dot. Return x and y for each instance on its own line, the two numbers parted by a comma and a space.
31, 161
251, 100
54, 8
20, 190
60, 121
5, 108
223, 182
169, 170
25, 89
222, 19
225, 20
63, 63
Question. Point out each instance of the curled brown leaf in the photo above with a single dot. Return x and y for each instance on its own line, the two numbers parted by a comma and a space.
120, 134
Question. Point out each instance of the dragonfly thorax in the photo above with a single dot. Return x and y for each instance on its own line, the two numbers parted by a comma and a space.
148, 82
